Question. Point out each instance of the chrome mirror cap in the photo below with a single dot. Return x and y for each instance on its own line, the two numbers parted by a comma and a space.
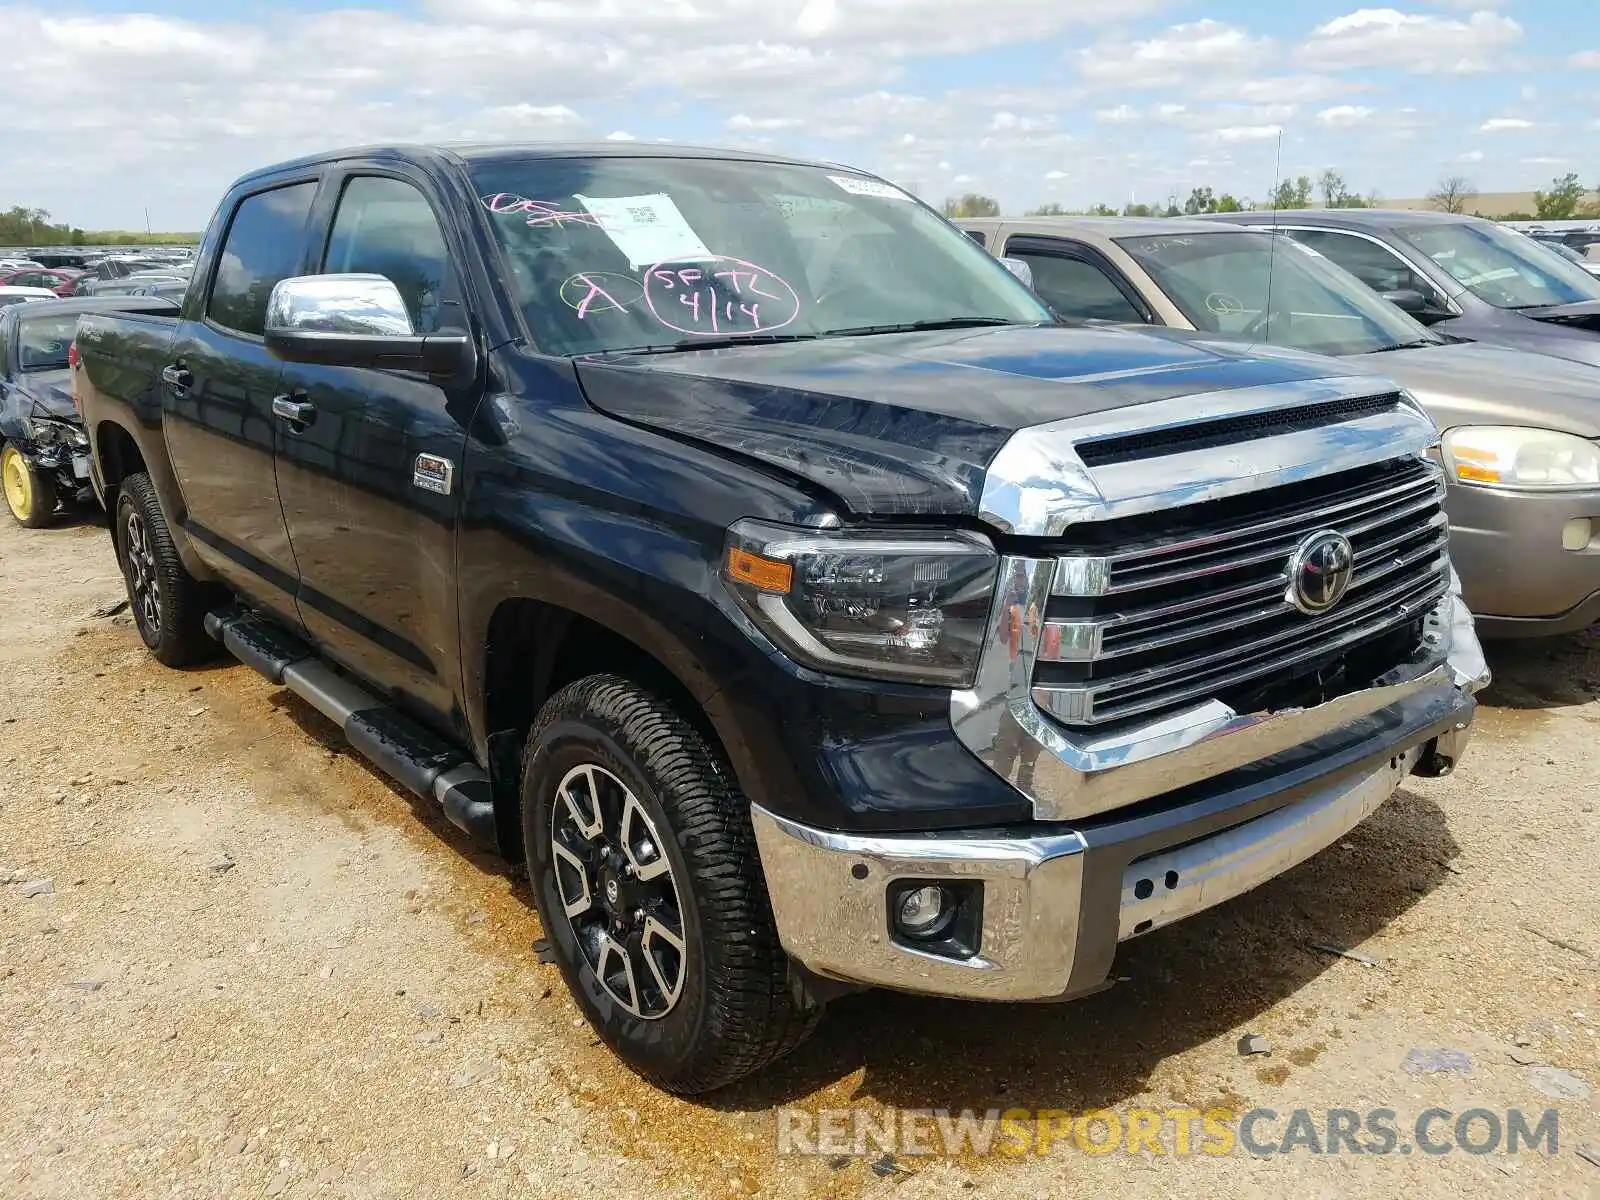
359, 305
1019, 268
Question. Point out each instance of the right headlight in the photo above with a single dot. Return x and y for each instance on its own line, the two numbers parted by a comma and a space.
910, 606
1516, 457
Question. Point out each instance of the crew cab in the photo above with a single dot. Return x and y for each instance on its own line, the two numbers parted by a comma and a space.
732, 541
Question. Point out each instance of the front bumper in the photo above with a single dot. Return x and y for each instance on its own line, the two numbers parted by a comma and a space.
1047, 904
1516, 573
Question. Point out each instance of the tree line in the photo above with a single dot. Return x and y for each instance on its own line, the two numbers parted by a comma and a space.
1566, 199
33, 227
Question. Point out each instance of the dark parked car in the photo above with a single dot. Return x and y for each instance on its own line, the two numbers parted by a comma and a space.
44, 452
735, 543
1464, 274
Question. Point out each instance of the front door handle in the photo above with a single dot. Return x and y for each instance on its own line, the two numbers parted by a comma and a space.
178, 377
294, 410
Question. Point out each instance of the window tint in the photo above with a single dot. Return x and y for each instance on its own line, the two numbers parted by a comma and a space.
386, 227
1075, 288
978, 236
262, 249
1380, 268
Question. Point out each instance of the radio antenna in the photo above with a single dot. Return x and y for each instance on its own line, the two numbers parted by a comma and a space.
1272, 253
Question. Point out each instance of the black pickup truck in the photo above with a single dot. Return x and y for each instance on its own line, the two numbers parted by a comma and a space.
734, 542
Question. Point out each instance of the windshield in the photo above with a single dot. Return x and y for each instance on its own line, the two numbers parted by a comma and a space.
43, 341
1503, 268
1219, 282
622, 253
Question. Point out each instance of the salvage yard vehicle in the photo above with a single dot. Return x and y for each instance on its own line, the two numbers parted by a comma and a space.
11, 293
1520, 429
1466, 274
44, 451
734, 542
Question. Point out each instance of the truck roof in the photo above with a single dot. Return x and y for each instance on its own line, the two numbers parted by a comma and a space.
460, 153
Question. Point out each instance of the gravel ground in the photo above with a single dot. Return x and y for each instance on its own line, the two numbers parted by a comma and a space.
262, 971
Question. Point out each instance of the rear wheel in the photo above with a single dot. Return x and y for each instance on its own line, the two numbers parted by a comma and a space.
645, 871
30, 493
168, 604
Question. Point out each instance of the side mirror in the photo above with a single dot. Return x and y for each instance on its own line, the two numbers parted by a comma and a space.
1019, 268
356, 321
1407, 300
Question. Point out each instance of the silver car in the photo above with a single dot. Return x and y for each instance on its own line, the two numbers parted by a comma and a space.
1519, 429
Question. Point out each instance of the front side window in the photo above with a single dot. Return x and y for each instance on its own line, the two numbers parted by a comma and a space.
1237, 285
609, 254
386, 227
1502, 268
1377, 266
261, 250
1079, 289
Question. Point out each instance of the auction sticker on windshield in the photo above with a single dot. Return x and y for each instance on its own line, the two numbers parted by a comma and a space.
648, 229
868, 187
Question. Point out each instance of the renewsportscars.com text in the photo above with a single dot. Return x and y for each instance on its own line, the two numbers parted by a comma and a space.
1263, 1132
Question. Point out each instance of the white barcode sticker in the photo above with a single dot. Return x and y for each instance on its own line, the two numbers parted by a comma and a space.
857, 186
648, 229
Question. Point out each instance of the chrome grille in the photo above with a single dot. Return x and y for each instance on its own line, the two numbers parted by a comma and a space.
1153, 613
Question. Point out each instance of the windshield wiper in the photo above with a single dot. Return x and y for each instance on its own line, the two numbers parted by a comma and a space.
712, 343
1416, 345
922, 326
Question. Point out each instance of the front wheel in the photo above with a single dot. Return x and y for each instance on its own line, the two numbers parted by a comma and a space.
168, 604
30, 493
645, 871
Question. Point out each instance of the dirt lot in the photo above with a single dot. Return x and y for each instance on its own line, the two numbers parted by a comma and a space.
263, 971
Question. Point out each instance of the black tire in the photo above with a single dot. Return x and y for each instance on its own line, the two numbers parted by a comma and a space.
30, 494
735, 1009
168, 604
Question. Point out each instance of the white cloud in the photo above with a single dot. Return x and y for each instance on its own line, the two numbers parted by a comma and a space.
1119, 115
620, 135
1427, 45
1342, 116
1504, 125
1283, 89
1547, 160
1471, 156
1589, 59
741, 123
1172, 57
1055, 174
1245, 133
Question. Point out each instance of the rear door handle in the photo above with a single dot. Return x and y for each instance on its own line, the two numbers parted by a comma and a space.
294, 410
178, 377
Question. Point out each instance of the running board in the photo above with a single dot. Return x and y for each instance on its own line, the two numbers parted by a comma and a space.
398, 746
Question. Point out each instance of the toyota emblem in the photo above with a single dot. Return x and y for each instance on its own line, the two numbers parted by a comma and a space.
1320, 571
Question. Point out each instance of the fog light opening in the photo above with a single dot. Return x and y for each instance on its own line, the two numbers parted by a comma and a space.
1576, 533
925, 912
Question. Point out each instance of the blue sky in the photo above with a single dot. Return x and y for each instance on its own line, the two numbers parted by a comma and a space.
113, 105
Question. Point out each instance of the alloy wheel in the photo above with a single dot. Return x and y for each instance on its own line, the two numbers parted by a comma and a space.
143, 587
618, 891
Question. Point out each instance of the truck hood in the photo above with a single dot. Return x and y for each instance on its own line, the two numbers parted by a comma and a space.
1470, 383
907, 424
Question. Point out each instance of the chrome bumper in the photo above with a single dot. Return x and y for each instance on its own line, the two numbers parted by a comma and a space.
828, 891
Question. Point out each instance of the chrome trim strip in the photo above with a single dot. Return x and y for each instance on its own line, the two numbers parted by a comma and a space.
1069, 775
1037, 485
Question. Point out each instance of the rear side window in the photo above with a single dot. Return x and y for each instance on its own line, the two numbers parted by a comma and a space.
977, 235
386, 227
262, 249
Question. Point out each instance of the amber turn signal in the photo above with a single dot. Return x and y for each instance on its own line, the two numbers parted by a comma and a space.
767, 574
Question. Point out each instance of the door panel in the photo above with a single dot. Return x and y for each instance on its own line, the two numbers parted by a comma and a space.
217, 388
376, 553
